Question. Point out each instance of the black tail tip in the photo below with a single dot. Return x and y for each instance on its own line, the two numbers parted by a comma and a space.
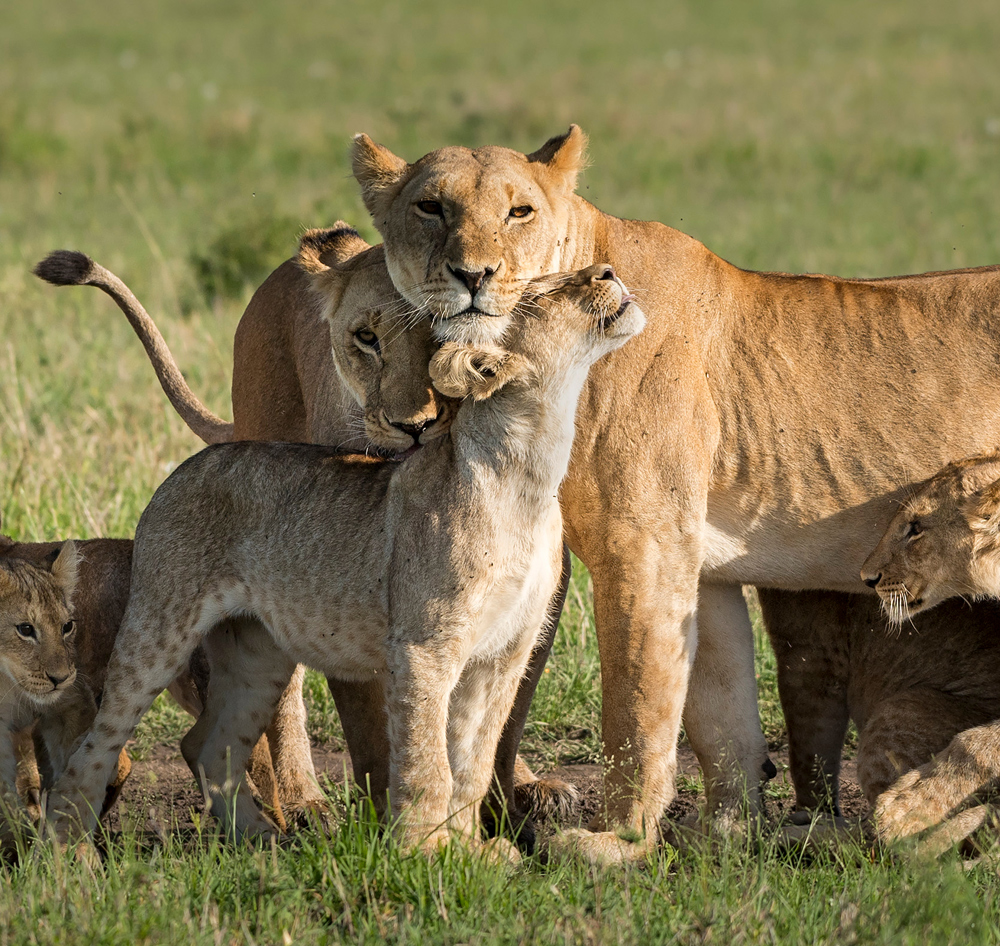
65, 268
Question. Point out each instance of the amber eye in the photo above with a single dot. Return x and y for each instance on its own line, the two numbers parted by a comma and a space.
913, 529
68, 628
27, 631
367, 338
521, 212
430, 207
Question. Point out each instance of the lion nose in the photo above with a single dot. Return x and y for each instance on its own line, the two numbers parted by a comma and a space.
473, 281
415, 430
873, 581
607, 273
57, 679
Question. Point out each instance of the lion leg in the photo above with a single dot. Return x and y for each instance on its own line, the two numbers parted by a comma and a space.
721, 716
362, 710
941, 782
810, 638
248, 674
421, 680
515, 785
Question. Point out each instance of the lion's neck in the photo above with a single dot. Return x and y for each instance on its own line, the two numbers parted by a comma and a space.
521, 437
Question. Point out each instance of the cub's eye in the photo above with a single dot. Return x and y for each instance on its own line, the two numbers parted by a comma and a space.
913, 529
430, 207
68, 628
27, 631
521, 212
367, 338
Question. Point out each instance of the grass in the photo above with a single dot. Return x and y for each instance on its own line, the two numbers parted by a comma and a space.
186, 145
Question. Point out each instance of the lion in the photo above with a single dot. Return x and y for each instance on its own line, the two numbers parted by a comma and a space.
52, 663
751, 435
436, 573
374, 394
920, 696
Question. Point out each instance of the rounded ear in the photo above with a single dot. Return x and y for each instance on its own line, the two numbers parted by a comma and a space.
376, 169
321, 249
460, 371
983, 509
65, 568
565, 155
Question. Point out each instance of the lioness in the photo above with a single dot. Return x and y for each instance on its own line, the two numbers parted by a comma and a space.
752, 435
50, 666
439, 570
373, 393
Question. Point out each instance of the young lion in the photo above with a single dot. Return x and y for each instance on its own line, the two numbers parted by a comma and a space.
373, 393
945, 542
438, 570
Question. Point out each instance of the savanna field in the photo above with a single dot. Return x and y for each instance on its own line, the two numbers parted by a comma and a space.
187, 146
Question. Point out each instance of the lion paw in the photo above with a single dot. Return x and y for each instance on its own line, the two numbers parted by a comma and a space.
915, 802
602, 848
546, 797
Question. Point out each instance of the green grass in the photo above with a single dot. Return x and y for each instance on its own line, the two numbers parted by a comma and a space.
186, 145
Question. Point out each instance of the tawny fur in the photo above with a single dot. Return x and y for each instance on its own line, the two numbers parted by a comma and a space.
47, 668
286, 387
753, 435
439, 569
917, 695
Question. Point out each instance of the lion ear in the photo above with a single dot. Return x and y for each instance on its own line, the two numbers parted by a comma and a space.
376, 169
565, 156
460, 371
65, 568
320, 250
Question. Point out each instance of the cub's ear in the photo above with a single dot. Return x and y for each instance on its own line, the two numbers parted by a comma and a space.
982, 510
565, 156
65, 568
376, 169
319, 250
459, 371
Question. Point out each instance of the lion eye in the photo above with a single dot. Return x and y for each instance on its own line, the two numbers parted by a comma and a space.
913, 529
430, 207
68, 628
26, 631
521, 212
367, 338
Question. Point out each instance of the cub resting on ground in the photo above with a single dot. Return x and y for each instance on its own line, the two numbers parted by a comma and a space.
286, 386
749, 436
945, 542
51, 667
439, 569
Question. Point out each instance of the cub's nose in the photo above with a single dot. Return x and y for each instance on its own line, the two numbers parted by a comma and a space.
57, 678
872, 581
607, 272
415, 430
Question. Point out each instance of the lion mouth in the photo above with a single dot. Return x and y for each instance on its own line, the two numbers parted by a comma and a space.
627, 300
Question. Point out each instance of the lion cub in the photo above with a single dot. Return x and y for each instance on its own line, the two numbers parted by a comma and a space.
38, 679
434, 573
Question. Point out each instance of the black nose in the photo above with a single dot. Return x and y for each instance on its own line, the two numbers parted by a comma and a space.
415, 430
473, 281
873, 582
609, 273
56, 679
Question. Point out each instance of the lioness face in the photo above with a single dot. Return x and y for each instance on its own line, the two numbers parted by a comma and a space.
465, 230
37, 631
945, 541
380, 346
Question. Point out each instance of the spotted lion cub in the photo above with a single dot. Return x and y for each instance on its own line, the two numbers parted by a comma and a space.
38, 664
435, 572
944, 542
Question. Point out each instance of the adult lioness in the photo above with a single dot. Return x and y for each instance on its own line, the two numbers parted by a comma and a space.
436, 573
751, 435
374, 392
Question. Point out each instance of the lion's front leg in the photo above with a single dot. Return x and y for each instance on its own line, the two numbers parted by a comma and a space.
421, 679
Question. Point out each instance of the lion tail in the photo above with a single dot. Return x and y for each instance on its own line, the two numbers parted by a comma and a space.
70, 268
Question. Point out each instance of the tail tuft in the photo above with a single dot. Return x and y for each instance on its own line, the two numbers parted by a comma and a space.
65, 268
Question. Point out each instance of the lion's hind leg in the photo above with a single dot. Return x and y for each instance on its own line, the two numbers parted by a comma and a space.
248, 675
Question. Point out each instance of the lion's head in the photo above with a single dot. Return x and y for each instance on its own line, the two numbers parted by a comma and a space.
37, 631
944, 541
381, 347
465, 230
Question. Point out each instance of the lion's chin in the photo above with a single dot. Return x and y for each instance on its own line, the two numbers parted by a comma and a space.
471, 327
